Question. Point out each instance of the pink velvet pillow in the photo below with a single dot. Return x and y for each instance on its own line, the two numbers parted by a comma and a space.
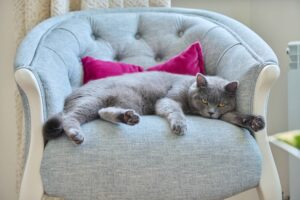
189, 62
95, 69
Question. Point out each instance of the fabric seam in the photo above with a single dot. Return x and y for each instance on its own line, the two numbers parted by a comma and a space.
60, 57
64, 29
225, 51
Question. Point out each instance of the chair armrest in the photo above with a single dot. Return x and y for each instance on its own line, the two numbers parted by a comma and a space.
269, 181
256, 81
256, 77
29, 86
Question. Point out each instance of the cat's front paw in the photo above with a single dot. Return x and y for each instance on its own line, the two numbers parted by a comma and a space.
256, 123
130, 117
179, 127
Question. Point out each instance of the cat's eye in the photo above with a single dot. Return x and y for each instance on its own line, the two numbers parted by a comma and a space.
221, 105
204, 101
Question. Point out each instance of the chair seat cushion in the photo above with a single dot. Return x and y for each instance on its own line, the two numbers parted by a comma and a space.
214, 160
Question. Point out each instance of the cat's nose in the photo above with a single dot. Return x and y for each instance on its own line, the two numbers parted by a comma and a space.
211, 113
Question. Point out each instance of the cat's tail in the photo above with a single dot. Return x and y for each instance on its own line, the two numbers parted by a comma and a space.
53, 127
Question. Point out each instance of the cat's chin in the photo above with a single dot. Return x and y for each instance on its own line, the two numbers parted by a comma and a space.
214, 117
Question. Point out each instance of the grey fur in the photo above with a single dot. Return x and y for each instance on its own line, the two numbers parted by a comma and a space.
122, 99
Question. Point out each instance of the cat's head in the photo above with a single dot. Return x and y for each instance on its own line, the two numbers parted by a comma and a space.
212, 96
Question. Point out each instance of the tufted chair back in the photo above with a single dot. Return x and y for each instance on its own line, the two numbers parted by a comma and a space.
139, 36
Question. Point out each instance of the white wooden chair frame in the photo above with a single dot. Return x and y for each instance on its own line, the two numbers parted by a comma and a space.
269, 187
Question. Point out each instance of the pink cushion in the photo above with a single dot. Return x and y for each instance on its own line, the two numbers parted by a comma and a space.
190, 62
95, 69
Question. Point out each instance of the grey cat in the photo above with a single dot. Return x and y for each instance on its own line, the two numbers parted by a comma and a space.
123, 99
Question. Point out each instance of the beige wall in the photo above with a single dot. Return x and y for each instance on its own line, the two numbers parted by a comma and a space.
275, 20
8, 131
278, 23
237, 9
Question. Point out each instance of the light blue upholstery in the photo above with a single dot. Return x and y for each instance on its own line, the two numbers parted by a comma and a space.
213, 161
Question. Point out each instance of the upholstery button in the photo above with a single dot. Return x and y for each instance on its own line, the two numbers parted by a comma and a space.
180, 33
117, 57
137, 36
158, 58
95, 36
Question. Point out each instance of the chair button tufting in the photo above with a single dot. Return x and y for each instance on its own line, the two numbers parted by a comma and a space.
95, 36
180, 33
137, 36
158, 58
117, 57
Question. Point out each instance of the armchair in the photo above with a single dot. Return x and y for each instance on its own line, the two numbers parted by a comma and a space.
215, 160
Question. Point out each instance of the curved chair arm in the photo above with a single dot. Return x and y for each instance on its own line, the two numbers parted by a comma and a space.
269, 186
31, 180
256, 90
254, 64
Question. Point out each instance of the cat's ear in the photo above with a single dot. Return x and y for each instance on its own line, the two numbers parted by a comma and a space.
201, 80
232, 87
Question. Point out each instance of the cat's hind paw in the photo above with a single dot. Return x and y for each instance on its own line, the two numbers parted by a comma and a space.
75, 136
